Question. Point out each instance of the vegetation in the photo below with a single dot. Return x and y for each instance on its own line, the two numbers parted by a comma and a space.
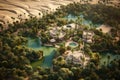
16, 59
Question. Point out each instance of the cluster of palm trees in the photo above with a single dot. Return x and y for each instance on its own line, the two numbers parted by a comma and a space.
15, 59
63, 71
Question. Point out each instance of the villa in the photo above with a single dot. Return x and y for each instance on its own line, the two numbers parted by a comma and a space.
54, 32
70, 26
88, 36
57, 33
76, 57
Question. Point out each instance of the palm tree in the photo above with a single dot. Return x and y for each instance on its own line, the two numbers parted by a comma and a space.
79, 20
108, 58
39, 14
104, 63
1, 27
83, 61
60, 78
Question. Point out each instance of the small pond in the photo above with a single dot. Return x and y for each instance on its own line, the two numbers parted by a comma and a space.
84, 22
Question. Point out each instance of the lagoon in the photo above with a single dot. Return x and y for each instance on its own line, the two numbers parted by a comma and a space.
83, 21
48, 53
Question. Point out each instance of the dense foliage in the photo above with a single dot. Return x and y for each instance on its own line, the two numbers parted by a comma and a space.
15, 58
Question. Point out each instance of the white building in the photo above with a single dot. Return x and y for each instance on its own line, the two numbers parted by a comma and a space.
57, 33
70, 26
75, 57
52, 40
88, 36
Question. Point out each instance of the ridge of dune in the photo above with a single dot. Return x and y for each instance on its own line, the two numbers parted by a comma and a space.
14, 8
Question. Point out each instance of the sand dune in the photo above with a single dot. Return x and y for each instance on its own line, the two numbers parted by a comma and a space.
13, 8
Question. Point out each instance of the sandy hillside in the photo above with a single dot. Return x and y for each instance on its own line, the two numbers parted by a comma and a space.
105, 28
11, 9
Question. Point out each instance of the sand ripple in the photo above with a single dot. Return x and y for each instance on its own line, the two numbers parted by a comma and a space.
14, 8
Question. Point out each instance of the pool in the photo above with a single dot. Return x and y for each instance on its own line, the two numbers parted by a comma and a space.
72, 44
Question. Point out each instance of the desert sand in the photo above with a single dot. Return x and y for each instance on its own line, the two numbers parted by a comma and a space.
11, 9
104, 28
14, 8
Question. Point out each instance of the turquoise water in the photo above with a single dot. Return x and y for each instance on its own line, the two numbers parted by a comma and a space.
84, 22
72, 44
48, 52
71, 17
48, 59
